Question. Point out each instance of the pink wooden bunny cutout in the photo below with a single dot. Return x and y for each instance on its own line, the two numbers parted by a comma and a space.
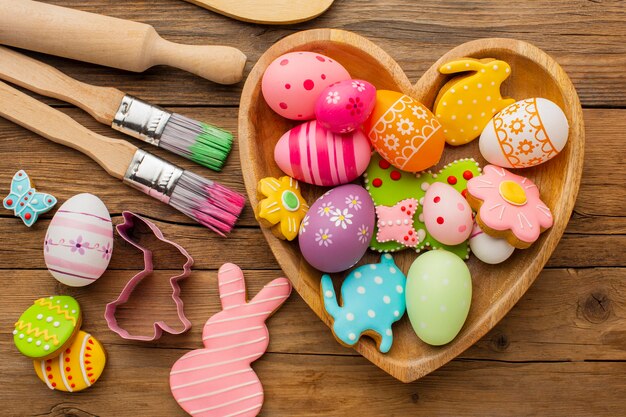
218, 380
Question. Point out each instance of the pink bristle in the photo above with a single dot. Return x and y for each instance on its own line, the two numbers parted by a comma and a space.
209, 203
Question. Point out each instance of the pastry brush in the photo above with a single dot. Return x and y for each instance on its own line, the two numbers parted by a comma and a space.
205, 201
200, 142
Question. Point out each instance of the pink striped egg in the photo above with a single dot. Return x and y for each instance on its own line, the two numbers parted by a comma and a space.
79, 241
311, 153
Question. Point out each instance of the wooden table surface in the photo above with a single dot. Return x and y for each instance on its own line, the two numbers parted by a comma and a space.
560, 351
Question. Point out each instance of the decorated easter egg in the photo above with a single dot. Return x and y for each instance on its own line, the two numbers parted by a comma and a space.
78, 367
292, 82
438, 296
47, 327
311, 153
79, 241
344, 106
489, 249
336, 231
524, 134
446, 214
405, 132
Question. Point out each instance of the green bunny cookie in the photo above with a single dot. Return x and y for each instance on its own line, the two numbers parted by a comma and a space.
387, 185
47, 327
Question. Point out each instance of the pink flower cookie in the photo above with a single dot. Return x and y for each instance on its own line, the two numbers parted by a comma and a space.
508, 206
218, 380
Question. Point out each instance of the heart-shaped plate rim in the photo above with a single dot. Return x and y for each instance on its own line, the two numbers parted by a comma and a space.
409, 358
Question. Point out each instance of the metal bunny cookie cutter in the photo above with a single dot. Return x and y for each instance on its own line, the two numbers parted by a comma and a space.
124, 230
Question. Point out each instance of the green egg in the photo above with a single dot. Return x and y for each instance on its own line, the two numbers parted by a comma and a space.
438, 296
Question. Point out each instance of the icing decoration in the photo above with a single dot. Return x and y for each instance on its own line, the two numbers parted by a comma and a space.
372, 299
218, 380
46, 327
281, 206
79, 241
404, 132
344, 106
292, 82
25, 201
126, 231
396, 223
447, 215
508, 206
438, 296
489, 250
336, 232
524, 134
77, 367
310, 153
388, 185
467, 102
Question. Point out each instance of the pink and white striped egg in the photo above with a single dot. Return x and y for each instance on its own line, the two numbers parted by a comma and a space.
79, 241
447, 215
342, 107
292, 82
311, 153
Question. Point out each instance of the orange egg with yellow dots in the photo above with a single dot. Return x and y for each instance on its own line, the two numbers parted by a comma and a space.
78, 367
405, 132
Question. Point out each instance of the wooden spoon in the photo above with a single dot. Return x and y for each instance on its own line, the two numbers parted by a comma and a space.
269, 12
496, 288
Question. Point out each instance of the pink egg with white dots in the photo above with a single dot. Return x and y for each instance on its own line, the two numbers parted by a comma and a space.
447, 215
292, 82
342, 107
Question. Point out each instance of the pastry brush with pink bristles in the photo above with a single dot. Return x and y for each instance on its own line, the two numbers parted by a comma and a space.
205, 201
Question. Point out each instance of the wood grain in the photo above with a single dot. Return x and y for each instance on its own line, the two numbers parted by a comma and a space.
585, 37
559, 351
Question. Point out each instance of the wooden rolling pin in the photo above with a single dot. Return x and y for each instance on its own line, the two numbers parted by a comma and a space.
110, 41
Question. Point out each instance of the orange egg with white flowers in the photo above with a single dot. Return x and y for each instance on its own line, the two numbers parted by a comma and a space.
405, 132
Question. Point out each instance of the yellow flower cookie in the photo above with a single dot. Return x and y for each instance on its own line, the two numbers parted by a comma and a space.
281, 206
467, 102
78, 367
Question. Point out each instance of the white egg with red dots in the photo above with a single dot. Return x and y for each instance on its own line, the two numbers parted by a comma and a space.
447, 215
79, 241
292, 82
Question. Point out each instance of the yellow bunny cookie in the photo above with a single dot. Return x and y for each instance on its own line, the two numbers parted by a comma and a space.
466, 103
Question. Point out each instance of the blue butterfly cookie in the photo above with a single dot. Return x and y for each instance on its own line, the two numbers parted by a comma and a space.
25, 201
372, 299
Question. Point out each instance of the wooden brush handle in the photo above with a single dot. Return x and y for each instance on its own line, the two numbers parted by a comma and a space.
110, 41
101, 102
113, 155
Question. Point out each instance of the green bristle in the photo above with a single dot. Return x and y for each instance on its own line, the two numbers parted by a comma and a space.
211, 147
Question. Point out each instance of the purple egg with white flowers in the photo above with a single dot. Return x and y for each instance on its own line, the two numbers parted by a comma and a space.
343, 106
336, 232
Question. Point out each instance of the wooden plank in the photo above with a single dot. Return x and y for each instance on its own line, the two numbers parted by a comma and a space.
66, 172
246, 247
306, 385
589, 40
566, 315
593, 228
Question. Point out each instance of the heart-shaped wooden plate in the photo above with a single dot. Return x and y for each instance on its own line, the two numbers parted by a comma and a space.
495, 288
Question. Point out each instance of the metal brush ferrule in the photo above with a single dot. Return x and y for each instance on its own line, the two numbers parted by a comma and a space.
152, 175
141, 120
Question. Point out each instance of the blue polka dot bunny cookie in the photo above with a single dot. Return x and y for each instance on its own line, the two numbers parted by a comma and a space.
372, 299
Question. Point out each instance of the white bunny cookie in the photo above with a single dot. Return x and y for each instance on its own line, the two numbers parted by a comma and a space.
467, 102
